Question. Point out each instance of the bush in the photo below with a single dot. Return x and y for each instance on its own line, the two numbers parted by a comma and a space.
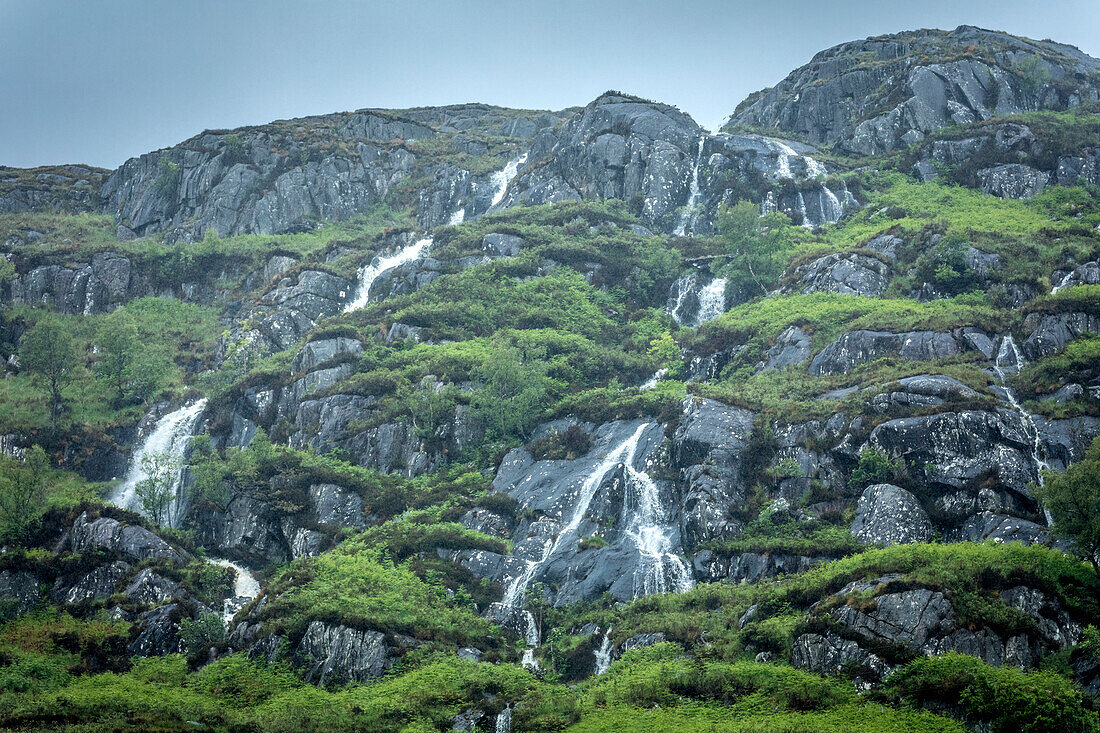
997, 698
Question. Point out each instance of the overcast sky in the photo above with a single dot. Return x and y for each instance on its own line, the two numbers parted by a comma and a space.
99, 81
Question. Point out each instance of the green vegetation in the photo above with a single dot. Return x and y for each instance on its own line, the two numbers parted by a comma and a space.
1072, 499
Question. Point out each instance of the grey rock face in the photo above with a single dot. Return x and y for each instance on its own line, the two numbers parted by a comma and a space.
847, 273
890, 515
903, 93
316, 353
1013, 181
642, 640
924, 390
149, 588
335, 653
1056, 330
66, 188
750, 567
336, 506
709, 447
860, 347
95, 586
792, 347
957, 448
617, 147
1086, 274
502, 245
1001, 528
159, 633
88, 289
19, 593
924, 620
136, 543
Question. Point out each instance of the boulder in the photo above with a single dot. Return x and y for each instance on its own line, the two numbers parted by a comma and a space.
19, 593
890, 515
846, 273
110, 535
860, 347
340, 654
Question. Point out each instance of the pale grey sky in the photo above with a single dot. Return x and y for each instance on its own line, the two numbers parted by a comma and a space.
99, 81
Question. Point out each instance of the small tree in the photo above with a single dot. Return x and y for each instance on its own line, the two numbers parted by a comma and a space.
157, 490
514, 393
119, 342
1073, 500
668, 354
753, 243
47, 351
201, 633
875, 467
23, 491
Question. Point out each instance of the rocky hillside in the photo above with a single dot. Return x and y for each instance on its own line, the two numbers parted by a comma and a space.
471, 418
886, 93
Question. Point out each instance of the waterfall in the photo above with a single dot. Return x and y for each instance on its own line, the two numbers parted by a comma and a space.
513, 594
603, 654
712, 301
458, 217
685, 284
783, 155
1009, 358
835, 208
380, 265
245, 588
653, 537
652, 381
688, 216
171, 436
1065, 281
502, 178
504, 721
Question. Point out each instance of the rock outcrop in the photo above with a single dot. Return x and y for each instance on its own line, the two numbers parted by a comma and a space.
887, 92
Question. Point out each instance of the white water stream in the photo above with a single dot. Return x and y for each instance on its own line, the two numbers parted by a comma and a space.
603, 654
245, 588
688, 216
1009, 359
171, 436
712, 301
503, 177
504, 721
661, 570
379, 265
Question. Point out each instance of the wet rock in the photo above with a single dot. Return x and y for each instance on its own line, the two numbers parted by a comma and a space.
709, 448
339, 654
1056, 330
1000, 528
316, 353
860, 347
923, 390
502, 245
100, 583
890, 515
846, 273
136, 543
149, 588
792, 347
958, 448
336, 505
1013, 181
19, 593
830, 654
641, 640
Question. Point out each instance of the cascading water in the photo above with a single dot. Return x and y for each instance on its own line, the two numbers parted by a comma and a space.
245, 588
1009, 359
688, 216
712, 301
685, 284
513, 594
504, 721
652, 381
1065, 281
380, 265
603, 654
503, 177
458, 217
171, 436
661, 569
